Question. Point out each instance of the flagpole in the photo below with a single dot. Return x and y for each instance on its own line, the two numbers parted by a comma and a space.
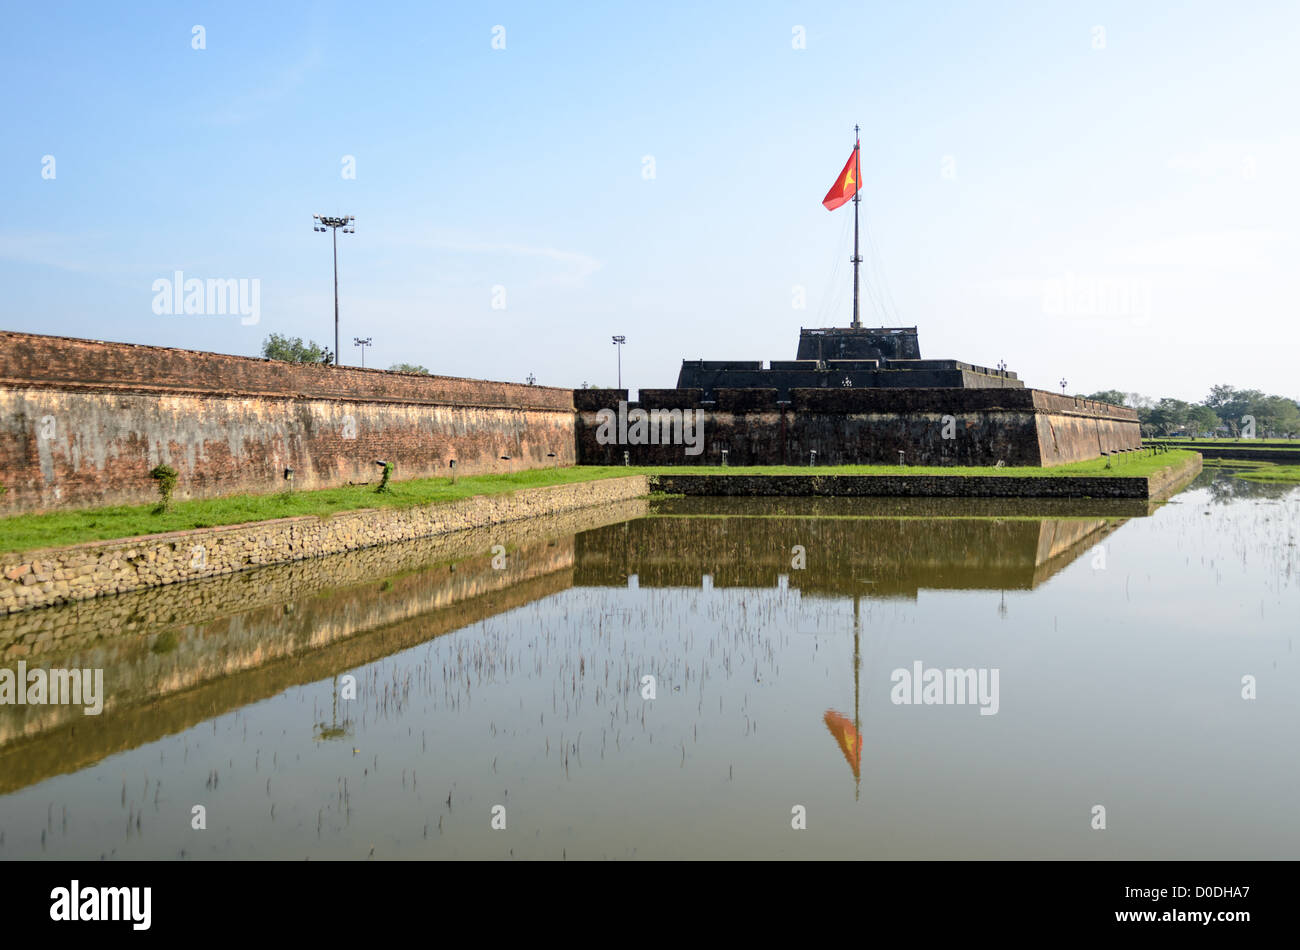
857, 196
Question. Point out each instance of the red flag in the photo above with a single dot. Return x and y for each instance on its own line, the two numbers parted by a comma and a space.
846, 186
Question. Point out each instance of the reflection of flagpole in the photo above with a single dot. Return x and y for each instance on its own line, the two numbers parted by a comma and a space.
848, 735
857, 665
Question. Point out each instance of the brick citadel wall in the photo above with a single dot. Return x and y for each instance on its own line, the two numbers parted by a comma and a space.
861, 426
82, 423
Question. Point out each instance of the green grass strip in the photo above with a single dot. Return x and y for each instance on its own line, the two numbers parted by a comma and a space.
58, 528
1280, 474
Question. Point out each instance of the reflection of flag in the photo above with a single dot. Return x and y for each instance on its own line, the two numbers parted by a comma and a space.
845, 187
847, 736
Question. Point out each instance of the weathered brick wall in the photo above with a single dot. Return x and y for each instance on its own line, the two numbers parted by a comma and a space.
1069, 429
859, 426
83, 422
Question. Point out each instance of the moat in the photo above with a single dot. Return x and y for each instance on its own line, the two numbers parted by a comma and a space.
385, 702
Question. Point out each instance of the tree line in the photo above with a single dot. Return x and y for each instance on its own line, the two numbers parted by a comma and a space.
291, 349
1226, 411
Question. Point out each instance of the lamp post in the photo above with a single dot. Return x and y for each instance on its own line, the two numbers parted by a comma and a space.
618, 345
1063, 385
327, 223
363, 343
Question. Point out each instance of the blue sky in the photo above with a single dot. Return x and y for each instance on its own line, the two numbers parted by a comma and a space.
1101, 192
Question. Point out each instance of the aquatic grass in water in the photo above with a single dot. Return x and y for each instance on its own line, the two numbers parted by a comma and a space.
1121, 646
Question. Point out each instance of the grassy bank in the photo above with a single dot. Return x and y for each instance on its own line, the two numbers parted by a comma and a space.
53, 529
1135, 465
1257, 471
1282, 474
1228, 443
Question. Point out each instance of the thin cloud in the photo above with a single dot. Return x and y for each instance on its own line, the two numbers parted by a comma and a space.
258, 102
576, 266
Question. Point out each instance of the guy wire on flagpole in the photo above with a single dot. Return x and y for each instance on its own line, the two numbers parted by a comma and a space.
857, 197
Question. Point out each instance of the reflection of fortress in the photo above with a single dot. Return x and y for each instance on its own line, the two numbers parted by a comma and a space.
179, 655
875, 557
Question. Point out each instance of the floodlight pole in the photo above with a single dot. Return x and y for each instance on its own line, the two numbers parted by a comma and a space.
363, 343
618, 346
348, 224
335, 235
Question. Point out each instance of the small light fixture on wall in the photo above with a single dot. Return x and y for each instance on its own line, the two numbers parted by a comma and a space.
288, 474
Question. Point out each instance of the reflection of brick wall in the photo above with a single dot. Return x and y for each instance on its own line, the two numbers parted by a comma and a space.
82, 422
1017, 426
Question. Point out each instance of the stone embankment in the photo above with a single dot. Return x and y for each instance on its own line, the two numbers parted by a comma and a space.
1155, 486
84, 571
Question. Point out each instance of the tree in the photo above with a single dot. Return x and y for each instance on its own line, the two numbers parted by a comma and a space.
1274, 415
1220, 396
1232, 405
408, 368
1203, 419
1112, 396
293, 350
1169, 416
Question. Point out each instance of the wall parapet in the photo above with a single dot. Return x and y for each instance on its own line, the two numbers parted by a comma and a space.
29, 360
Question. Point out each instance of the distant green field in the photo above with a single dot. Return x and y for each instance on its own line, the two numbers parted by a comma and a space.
1272, 473
1257, 471
54, 529
1225, 443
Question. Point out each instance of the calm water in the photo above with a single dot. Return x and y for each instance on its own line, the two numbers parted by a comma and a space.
1120, 638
